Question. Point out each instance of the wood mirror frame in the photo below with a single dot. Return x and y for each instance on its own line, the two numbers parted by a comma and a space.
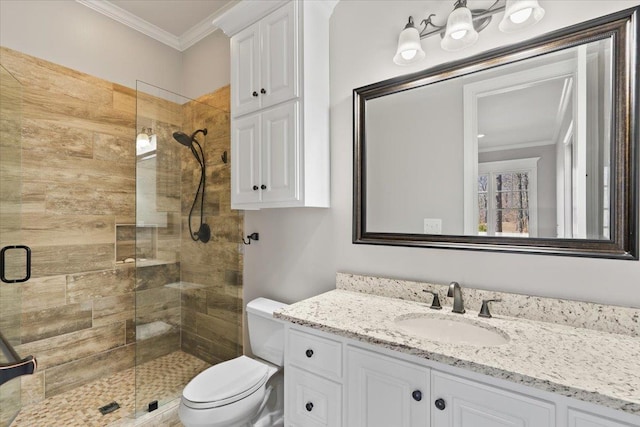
623, 29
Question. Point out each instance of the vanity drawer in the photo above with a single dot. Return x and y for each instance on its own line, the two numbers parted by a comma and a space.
316, 354
312, 401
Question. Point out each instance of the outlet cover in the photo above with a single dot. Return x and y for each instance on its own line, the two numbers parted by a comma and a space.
432, 226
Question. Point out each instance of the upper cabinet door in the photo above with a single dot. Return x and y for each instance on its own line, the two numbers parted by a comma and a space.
245, 70
280, 151
264, 59
245, 160
279, 73
458, 402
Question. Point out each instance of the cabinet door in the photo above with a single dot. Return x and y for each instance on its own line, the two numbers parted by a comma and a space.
462, 403
245, 160
385, 392
279, 56
245, 71
280, 154
584, 419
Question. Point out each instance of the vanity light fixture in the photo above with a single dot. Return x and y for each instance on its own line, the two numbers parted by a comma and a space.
463, 25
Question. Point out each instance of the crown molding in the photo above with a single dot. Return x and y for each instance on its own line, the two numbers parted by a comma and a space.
203, 28
132, 21
182, 43
244, 14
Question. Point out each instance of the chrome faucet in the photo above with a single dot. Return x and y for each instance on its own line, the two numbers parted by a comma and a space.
456, 293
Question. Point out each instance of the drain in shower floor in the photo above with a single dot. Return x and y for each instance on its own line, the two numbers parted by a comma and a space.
109, 408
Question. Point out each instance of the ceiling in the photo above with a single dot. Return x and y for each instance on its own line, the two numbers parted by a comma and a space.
176, 23
520, 117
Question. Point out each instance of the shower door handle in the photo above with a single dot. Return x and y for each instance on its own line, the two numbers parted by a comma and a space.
3, 253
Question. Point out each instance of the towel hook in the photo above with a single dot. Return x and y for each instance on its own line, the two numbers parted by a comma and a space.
250, 237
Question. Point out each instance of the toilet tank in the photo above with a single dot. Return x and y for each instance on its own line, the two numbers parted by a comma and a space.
266, 333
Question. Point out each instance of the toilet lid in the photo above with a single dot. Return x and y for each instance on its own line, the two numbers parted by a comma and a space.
225, 383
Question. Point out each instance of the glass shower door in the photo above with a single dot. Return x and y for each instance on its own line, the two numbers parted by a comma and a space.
13, 257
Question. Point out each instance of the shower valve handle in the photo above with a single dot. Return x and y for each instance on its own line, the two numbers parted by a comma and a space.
263, 91
255, 93
255, 188
264, 187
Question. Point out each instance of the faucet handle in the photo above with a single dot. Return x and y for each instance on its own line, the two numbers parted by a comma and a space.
484, 310
435, 304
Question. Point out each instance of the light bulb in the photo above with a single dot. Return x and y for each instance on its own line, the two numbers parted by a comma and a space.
520, 16
457, 35
409, 54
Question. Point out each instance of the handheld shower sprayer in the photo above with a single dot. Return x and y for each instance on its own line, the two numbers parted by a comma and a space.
204, 232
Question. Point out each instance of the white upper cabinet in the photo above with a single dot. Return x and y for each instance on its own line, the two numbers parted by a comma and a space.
279, 103
262, 147
264, 58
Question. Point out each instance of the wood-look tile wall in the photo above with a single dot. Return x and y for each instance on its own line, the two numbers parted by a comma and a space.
78, 311
212, 313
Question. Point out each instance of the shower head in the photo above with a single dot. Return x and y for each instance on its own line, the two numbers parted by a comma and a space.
183, 138
187, 140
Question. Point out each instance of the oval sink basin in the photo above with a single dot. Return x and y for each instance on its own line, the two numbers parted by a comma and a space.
448, 330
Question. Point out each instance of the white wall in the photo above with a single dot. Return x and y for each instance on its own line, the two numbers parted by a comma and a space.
206, 65
301, 249
72, 35
67, 33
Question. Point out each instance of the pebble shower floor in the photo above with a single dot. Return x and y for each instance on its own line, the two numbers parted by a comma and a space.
166, 376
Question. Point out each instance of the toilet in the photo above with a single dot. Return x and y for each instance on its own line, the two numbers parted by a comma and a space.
235, 393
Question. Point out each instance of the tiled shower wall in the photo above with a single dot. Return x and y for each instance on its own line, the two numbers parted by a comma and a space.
79, 182
212, 312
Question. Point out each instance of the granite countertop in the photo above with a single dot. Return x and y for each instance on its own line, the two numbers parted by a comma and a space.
593, 366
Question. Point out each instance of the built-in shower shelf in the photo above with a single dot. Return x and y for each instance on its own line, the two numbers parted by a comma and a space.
184, 286
153, 329
147, 262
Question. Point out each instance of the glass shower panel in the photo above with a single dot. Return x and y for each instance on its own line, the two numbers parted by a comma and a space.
10, 227
188, 293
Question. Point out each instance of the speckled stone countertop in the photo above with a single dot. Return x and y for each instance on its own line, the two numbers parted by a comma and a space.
590, 365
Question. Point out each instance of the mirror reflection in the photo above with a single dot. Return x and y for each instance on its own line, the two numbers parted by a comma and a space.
519, 150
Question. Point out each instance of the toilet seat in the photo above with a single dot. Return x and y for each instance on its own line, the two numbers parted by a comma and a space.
225, 383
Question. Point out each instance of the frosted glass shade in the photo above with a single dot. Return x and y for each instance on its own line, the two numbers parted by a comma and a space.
520, 14
142, 138
460, 32
409, 47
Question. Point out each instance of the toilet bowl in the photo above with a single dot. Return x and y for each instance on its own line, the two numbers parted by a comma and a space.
235, 393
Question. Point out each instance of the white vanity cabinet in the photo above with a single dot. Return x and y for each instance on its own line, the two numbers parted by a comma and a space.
332, 381
577, 418
462, 403
313, 380
280, 106
384, 391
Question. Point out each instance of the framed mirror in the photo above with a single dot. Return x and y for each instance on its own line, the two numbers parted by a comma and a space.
528, 148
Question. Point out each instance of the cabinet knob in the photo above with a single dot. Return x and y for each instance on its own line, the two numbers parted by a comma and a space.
264, 187
309, 353
417, 395
255, 188
309, 406
262, 91
440, 404
254, 93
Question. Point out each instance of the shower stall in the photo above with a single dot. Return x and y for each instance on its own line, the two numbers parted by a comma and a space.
121, 198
